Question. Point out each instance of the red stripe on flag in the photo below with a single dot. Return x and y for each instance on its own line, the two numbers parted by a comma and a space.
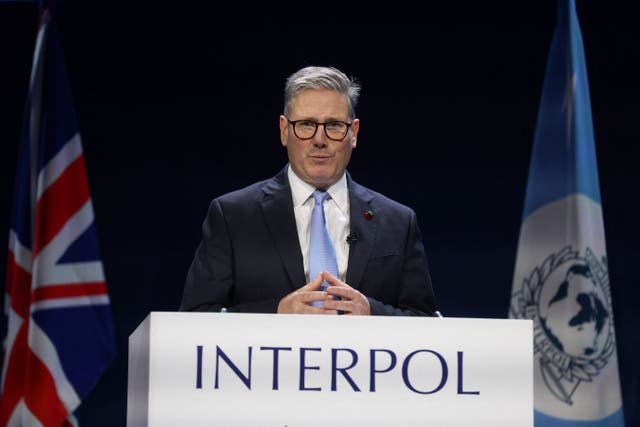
41, 395
69, 291
59, 202
14, 385
18, 287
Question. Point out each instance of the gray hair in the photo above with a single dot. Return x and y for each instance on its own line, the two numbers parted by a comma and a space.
321, 78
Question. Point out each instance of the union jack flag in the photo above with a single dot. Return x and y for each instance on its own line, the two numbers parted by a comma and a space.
59, 335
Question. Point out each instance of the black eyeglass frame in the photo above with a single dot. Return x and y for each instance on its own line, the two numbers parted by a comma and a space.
316, 124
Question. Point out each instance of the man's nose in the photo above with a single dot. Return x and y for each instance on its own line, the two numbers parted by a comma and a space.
320, 138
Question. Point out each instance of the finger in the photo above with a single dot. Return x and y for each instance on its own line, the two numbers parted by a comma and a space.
345, 306
310, 296
345, 292
332, 280
305, 308
310, 309
326, 309
313, 284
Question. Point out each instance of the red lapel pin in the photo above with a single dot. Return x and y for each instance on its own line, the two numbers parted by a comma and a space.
368, 215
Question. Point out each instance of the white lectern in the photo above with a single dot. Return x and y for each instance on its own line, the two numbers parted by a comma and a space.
233, 369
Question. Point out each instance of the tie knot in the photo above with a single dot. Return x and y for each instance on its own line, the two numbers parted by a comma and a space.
320, 196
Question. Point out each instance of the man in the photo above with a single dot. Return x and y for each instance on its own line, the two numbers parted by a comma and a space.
257, 250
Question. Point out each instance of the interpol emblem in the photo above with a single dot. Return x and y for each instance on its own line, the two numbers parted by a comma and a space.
569, 301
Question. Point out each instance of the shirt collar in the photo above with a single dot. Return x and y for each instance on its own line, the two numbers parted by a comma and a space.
301, 191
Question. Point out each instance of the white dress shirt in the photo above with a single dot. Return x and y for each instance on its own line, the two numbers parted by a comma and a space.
336, 212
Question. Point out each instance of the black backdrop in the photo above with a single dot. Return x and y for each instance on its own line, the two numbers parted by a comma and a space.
178, 103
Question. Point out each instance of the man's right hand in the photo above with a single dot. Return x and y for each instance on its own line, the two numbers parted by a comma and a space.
299, 301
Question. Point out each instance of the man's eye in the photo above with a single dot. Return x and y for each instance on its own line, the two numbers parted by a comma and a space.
337, 126
306, 124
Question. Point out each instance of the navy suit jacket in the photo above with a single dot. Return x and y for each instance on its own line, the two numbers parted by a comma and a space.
250, 258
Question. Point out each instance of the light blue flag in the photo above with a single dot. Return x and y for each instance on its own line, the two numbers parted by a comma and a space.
561, 278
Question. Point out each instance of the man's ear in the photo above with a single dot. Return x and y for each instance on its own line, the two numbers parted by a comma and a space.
355, 127
284, 130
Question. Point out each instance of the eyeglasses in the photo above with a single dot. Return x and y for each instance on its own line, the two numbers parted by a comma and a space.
306, 129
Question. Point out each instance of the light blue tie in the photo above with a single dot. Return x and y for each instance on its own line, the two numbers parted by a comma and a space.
322, 255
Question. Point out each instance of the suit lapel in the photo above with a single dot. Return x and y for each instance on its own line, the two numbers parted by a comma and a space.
277, 207
360, 202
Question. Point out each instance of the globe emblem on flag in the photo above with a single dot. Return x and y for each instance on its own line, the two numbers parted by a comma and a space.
572, 311
566, 297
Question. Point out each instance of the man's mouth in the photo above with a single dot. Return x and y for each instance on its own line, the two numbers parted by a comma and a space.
320, 156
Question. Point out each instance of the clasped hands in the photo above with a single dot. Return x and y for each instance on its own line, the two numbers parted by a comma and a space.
350, 300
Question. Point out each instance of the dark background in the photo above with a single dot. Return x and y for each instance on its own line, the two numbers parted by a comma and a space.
178, 103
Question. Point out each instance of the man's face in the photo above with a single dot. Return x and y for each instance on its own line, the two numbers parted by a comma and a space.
319, 161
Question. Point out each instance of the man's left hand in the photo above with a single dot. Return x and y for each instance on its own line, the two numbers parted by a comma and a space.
351, 300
